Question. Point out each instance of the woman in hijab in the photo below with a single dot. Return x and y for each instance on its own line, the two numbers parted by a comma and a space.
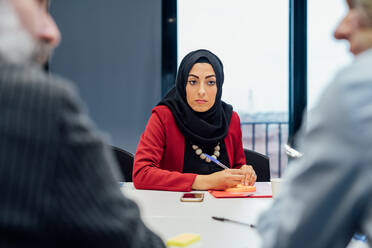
189, 121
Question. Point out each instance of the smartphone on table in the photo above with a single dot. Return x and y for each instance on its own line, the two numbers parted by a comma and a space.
192, 197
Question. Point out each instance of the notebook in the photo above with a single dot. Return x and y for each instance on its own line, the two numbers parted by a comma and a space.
263, 190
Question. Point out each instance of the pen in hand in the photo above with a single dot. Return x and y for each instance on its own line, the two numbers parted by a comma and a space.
216, 161
233, 221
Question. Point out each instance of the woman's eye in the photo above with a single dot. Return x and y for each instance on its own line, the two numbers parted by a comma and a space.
192, 82
211, 83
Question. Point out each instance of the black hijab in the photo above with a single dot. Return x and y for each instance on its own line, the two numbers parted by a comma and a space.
207, 127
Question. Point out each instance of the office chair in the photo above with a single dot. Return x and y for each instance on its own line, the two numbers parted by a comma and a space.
125, 160
260, 164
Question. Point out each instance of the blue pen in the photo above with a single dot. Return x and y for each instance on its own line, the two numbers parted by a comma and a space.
216, 161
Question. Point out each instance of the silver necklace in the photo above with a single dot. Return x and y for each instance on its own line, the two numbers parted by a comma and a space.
200, 153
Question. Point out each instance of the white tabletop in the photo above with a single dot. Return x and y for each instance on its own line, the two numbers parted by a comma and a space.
166, 215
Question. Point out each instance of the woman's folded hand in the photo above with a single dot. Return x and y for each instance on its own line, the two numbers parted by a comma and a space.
250, 176
219, 180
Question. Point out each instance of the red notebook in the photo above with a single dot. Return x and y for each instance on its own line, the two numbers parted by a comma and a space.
263, 190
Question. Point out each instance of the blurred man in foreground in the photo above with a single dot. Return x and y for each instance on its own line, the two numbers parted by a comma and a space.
57, 177
328, 194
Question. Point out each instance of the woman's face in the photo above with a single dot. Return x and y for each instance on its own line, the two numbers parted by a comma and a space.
201, 87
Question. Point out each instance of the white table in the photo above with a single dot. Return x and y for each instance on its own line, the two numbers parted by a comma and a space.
163, 212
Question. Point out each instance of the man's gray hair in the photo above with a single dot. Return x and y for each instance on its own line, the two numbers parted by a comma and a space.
365, 7
16, 45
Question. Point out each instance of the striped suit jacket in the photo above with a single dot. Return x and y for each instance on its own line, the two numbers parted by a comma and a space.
58, 184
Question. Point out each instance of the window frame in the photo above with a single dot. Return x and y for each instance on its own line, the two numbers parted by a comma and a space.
297, 84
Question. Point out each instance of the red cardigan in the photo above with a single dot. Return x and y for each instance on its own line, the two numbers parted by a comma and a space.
159, 158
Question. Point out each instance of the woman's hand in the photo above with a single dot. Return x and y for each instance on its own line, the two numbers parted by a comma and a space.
250, 176
219, 180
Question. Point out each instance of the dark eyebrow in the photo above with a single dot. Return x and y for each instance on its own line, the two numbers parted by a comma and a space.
193, 75
209, 76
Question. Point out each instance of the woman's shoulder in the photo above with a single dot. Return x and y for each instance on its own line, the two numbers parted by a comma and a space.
164, 113
162, 110
234, 126
235, 118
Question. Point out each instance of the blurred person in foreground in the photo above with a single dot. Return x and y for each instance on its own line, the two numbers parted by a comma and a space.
58, 185
328, 194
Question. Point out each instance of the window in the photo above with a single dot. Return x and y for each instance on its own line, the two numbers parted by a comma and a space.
251, 39
326, 55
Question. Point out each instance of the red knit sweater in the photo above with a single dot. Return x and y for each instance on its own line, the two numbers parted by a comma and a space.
158, 161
